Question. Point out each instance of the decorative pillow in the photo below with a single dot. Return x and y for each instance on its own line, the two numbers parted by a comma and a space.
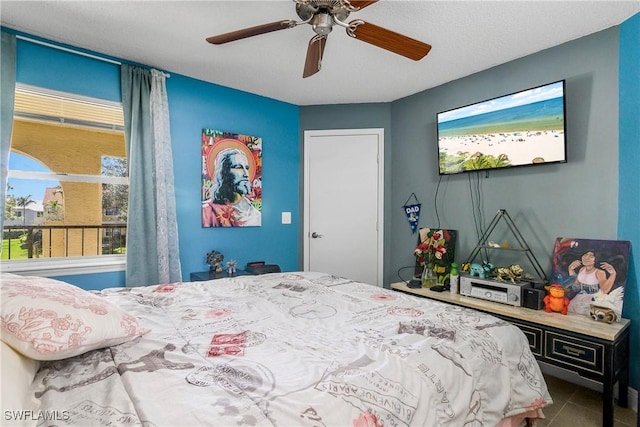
46, 319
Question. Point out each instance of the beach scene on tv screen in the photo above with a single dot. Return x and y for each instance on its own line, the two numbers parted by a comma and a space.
514, 130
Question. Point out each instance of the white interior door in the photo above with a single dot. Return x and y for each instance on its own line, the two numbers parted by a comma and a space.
343, 197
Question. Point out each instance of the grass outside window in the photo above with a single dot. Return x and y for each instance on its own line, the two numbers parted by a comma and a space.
17, 252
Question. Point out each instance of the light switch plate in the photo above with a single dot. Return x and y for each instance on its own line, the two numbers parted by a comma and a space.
286, 217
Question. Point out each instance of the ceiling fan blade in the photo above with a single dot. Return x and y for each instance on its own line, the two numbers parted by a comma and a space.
389, 40
313, 63
251, 31
359, 4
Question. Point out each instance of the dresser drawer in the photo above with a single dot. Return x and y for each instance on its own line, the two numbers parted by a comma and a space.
575, 352
534, 336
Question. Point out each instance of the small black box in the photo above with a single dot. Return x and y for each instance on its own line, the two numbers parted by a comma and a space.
257, 268
533, 298
415, 283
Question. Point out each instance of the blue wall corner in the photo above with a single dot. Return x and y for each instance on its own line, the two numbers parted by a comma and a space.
629, 190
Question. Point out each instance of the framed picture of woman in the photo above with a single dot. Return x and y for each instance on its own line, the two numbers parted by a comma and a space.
593, 272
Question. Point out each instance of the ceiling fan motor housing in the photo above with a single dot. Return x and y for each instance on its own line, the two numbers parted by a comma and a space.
322, 14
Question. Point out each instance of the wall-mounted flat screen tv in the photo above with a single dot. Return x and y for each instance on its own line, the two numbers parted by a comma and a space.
521, 129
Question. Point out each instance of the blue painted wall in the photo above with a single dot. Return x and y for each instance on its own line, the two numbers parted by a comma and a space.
629, 177
195, 105
95, 282
68, 72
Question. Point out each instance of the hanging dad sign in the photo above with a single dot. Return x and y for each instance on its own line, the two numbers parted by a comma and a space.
412, 212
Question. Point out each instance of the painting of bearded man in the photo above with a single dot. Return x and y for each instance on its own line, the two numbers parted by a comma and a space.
231, 180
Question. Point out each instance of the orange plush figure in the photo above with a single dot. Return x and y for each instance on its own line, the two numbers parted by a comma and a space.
556, 301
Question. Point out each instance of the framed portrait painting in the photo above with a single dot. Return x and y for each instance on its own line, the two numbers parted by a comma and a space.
231, 179
593, 272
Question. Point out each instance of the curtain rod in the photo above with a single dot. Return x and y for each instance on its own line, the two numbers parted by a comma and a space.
77, 52
65, 49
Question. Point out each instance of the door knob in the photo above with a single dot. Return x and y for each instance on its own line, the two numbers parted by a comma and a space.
315, 235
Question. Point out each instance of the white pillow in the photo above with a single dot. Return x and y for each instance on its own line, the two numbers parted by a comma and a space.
16, 376
46, 319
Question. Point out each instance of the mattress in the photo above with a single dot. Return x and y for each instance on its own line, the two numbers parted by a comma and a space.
296, 349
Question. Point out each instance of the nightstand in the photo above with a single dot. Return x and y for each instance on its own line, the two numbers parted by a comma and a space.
201, 276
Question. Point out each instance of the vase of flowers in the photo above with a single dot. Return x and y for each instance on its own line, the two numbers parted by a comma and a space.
431, 254
214, 261
429, 278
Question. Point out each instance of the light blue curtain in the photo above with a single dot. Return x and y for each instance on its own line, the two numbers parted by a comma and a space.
166, 219
7, 97
152, 257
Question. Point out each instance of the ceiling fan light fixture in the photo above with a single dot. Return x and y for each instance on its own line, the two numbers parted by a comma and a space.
322, 23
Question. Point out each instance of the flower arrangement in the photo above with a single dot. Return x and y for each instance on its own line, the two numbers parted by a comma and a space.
434, 254
432, 248
214, 261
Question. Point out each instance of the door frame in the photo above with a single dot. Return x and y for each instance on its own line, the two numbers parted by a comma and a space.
379, 133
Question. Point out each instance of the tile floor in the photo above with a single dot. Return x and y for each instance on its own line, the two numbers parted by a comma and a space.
574, 406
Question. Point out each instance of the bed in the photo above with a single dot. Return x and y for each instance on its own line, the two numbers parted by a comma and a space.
282, 349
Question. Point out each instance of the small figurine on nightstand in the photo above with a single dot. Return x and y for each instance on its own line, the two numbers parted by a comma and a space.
231, 267
556, 300
214, 261
602, 314
483, 270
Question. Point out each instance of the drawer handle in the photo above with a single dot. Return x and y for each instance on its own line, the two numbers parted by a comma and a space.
573, 351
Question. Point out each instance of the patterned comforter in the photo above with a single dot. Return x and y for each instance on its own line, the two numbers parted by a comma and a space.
297, 349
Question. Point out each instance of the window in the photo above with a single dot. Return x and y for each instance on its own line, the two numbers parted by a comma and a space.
67, 190
112, 211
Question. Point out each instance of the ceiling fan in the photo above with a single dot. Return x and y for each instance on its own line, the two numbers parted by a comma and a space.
322, 15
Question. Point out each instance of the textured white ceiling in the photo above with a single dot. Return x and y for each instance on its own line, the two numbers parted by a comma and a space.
467, 37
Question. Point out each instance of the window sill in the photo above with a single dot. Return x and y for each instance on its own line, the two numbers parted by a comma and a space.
65, 266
